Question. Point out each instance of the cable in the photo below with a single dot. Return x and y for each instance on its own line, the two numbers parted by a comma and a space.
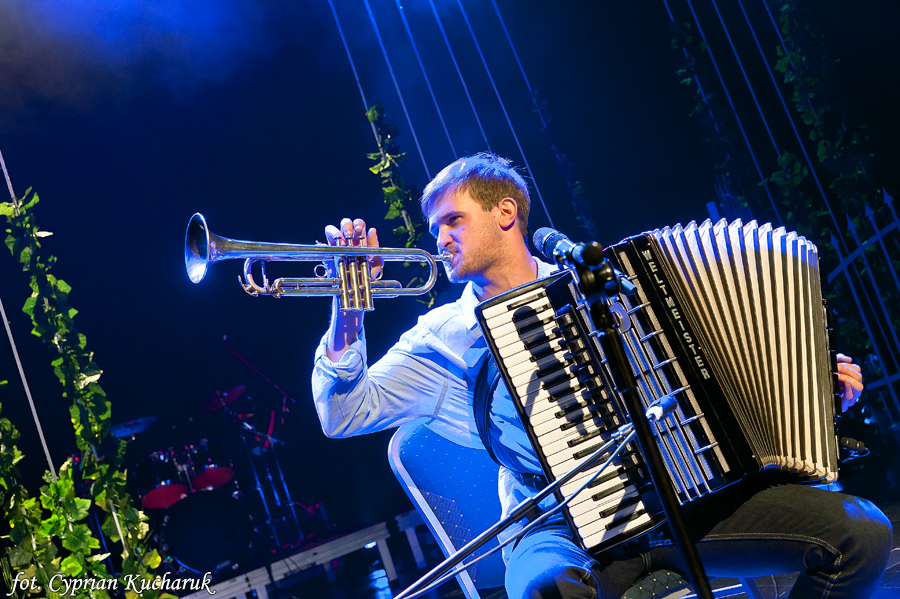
12, 194
743, 72
462, 79
425, 76
783, 104
390, 67
37, 421
503, 108
362, 94
815, 176
737, 118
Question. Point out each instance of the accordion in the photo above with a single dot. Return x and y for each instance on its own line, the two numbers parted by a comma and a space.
727, 318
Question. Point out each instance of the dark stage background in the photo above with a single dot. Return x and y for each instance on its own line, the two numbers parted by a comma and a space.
127, 117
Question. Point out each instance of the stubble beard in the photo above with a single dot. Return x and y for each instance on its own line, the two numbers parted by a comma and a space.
474, 262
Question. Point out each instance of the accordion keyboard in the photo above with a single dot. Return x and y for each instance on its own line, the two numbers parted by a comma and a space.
549, 364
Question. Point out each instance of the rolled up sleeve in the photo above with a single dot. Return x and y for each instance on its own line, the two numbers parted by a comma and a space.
410, 382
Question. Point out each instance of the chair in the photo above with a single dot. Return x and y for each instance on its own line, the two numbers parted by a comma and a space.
455, 490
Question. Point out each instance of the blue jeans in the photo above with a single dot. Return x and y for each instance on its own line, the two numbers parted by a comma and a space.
839, 544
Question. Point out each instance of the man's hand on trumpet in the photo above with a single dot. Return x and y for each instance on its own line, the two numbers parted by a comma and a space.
345, 326
353, 233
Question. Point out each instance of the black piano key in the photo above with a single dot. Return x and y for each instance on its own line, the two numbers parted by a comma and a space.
615, 472
614, 510
625, 519
587, 437
610, 491
591, 414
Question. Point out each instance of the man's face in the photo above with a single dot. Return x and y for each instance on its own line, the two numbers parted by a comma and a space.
469, 234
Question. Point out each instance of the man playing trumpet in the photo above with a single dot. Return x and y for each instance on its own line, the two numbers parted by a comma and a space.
477, 210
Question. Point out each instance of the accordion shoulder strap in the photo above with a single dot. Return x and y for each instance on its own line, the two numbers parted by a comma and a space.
485, 385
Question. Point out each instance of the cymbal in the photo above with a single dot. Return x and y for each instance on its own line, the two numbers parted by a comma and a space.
132, 427
222, 398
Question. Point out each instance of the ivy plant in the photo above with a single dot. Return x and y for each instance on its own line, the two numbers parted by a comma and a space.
48, 532
839, 150
401, 199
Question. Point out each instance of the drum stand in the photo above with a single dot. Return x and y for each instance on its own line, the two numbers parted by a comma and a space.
287, 522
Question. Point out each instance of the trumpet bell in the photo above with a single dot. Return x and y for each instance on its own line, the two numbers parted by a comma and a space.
196, 248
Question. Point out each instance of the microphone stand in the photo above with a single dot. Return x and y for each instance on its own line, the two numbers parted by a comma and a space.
528, 508
598, 281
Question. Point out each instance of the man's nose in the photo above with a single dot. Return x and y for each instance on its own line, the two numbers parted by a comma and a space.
443, 240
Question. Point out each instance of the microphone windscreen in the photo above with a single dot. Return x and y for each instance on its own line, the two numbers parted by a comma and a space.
545, 239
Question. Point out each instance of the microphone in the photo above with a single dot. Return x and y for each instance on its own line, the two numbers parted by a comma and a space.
556, 246
852, 444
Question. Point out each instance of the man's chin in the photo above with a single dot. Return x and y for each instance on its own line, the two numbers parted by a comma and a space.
453, 274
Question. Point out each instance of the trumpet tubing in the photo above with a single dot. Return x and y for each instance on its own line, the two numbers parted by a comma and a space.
353, 284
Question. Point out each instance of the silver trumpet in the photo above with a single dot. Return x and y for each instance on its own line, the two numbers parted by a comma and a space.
353, 285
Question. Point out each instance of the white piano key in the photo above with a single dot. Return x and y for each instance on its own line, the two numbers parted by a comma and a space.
515, 337
531, 366
560, 441
591, 538
530, 380
588, 504
591, 522
503, 307
516, 353
502, 328
550, 420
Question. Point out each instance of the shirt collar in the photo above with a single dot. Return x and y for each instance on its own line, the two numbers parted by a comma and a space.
469, 300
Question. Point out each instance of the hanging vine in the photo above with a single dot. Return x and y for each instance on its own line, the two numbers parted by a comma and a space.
48, 532
566, 168
736, 186
842, 149
401, 200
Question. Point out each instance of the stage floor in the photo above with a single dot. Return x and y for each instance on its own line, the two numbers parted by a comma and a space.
361, 575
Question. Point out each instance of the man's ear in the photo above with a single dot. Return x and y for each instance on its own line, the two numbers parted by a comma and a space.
508, 209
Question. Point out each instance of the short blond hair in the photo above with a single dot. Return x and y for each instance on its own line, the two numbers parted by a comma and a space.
488, 178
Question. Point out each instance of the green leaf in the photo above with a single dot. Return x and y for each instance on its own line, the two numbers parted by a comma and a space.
152, 560
80, 538
72, 565
373, 114
78, 508
63, 286
18, 558
52, 526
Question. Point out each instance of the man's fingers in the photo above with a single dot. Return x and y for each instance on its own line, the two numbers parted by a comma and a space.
851, 389
850, 370
333, 235
372, 238
349, 232
359, 232
353, 233
850, 379
347, 228
376, 263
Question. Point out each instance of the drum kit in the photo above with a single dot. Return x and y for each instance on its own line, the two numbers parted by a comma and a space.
212, 511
